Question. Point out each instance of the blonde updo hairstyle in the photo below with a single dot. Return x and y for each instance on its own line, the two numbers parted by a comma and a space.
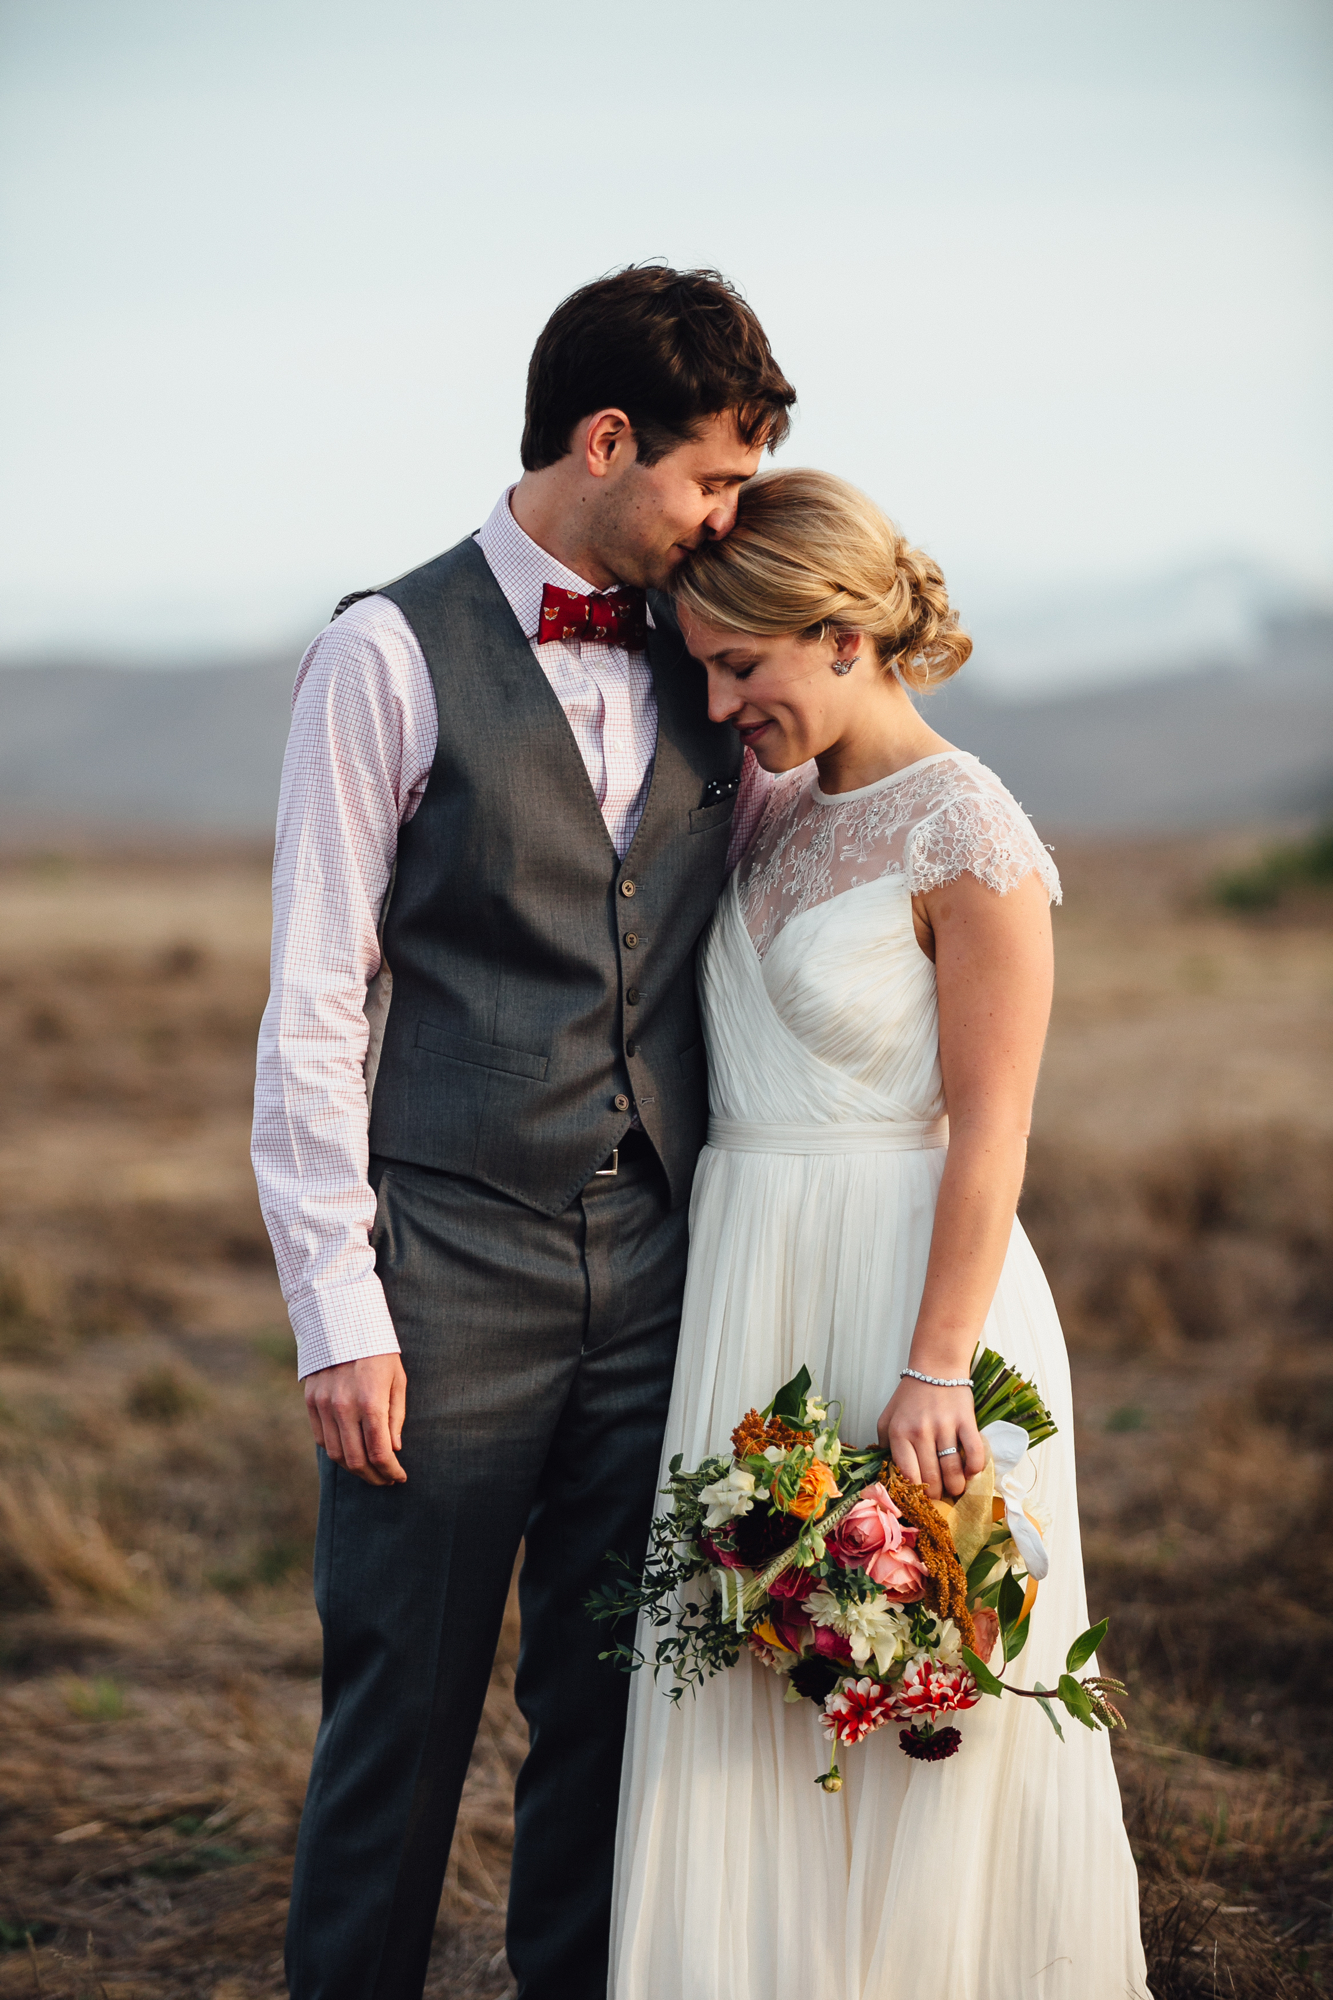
809, 554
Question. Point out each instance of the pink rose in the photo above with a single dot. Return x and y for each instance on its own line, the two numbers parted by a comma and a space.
873, 1538
900, 1573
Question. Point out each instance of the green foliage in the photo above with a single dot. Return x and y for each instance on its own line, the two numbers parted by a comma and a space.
789, 1403
1304, 864
1074, 1696
981, 1673
101, 1700
999, 1395
1084, 1647
1041, 1693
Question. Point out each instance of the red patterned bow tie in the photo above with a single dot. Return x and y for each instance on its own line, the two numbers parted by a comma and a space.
619, 617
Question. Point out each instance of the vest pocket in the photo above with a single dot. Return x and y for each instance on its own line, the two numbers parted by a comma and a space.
484, 1055
704, 817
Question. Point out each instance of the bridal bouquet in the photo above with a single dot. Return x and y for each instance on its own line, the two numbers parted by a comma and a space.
834, 1571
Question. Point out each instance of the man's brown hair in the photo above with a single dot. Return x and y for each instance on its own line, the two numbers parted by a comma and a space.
669, 348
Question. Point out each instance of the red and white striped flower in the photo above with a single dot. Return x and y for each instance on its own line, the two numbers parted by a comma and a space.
857, 1707
931, 1688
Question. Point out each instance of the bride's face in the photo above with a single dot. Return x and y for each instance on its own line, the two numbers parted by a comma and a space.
782, 696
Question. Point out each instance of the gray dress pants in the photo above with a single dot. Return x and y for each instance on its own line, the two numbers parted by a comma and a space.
539, 1354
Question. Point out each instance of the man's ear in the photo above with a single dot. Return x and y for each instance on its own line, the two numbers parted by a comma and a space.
608, 443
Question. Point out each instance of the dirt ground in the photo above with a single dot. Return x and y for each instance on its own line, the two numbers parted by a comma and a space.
158, 1650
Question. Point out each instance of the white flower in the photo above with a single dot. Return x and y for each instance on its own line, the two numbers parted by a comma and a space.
1009, 1449
728, 1497
874, 1626
947, 1645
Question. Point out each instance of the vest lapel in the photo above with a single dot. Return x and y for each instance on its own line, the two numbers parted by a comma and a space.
498, 654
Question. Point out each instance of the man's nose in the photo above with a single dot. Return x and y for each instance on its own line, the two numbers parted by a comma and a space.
721, 518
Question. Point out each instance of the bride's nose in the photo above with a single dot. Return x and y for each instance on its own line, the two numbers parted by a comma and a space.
724, 697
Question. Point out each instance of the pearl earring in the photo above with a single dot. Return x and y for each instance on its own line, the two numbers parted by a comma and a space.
845, 666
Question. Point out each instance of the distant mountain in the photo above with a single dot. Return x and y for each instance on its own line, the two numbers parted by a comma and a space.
1207, 746
129, 749
1134, 628
118, 751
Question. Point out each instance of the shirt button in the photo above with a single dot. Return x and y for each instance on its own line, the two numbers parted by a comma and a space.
631, 939
631, 996
631, 1048
627, 888
620, 1102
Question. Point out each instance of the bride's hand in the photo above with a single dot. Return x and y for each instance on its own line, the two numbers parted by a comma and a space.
917, 1421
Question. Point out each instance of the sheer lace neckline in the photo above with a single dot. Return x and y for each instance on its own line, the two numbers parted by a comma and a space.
894, 777
936, 819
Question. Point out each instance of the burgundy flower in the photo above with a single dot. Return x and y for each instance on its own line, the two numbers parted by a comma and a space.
831, 1644
815, 1677
930, 1744
758, 1536
719, 1553
794, 1583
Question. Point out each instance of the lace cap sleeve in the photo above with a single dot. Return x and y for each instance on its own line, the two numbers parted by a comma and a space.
978, 829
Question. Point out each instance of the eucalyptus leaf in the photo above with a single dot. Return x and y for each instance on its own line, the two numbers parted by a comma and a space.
1049, 1712
1083, 1648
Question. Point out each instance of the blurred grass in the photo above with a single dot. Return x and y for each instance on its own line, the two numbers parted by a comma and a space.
1282, 871
158, 1649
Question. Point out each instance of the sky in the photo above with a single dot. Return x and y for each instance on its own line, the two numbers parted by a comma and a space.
1052, 280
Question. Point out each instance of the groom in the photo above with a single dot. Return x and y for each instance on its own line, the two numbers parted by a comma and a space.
505, 819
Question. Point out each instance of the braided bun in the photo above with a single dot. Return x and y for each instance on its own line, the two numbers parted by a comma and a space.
809, 553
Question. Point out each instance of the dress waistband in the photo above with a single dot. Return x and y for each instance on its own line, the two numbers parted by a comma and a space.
904, 1135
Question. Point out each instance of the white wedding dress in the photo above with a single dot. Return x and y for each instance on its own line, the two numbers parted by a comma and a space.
1004, 1873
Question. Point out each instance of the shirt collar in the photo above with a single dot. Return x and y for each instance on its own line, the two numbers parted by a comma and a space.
521, 566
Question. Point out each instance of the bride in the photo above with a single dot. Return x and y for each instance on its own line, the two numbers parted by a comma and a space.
875, 988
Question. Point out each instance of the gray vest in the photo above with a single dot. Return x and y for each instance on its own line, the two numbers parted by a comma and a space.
537, 982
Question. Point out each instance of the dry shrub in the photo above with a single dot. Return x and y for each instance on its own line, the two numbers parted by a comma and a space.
53, 1557
1233, 1871
1202, 1240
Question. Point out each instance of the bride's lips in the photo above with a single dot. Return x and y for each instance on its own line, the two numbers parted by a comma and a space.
747, 731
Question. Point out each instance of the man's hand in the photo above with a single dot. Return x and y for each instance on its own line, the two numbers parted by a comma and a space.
356, 1412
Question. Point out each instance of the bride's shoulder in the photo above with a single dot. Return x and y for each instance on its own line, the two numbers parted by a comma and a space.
968, 822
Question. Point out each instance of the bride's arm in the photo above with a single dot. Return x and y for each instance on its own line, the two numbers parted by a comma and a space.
993, 970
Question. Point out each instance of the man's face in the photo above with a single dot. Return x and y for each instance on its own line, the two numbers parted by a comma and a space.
649, 517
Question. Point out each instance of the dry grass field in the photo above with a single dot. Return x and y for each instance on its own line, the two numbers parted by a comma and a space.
158, 1651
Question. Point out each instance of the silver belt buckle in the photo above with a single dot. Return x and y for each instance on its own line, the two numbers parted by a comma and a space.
608, 1173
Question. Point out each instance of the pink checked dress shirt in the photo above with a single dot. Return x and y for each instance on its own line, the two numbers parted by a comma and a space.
361, 747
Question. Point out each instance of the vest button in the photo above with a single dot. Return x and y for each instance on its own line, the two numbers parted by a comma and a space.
620, 1102
627, 888
631, 939
631, 996
631, 1048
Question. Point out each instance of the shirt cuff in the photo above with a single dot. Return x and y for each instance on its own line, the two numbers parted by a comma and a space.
341, 1323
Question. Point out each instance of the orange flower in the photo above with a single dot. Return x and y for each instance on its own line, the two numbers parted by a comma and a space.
813, 1494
